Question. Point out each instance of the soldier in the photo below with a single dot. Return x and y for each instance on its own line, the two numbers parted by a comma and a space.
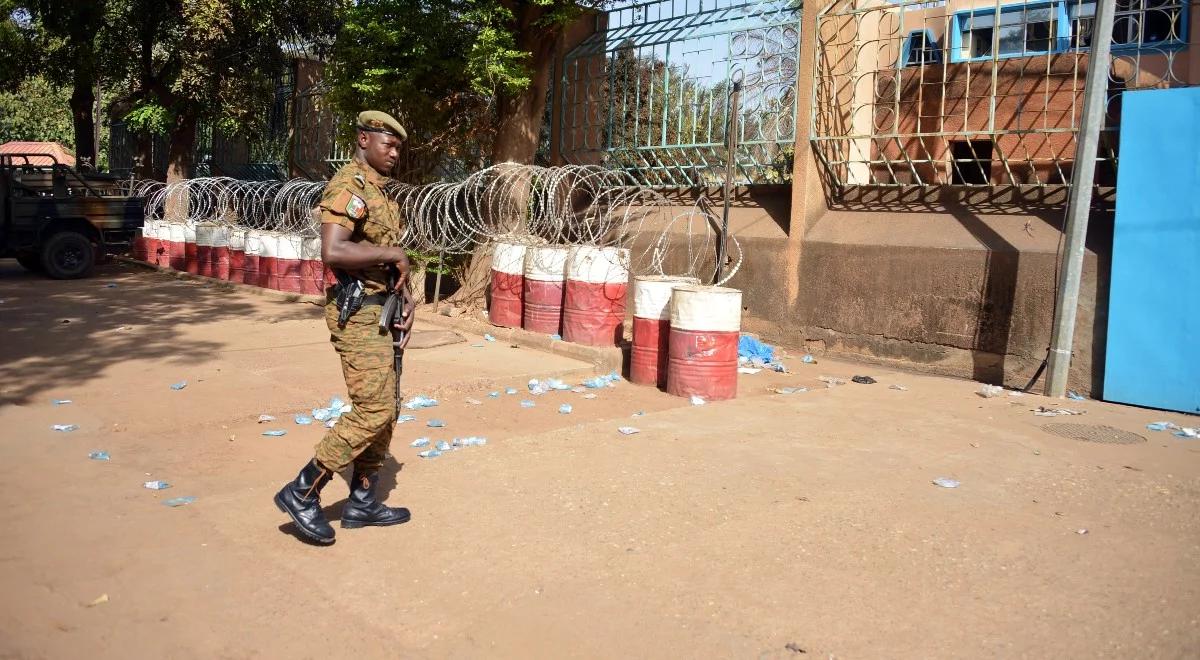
360, 227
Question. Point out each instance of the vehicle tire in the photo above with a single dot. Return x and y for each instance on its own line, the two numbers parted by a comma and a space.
30, 262
68, 255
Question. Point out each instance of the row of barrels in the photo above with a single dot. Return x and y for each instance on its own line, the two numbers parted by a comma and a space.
685, 336
272, 260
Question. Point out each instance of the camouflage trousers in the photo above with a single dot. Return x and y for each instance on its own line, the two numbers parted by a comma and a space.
361, 436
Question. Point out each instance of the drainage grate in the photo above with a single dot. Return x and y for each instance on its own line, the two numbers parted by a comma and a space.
1089, 433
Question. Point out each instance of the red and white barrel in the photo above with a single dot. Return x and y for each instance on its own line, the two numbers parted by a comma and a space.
267, 256
191, 253
204, 244
237, 254
703, 345
155, 242
287, 263
162, 229
220, 253
312, 271
252, 262
652, 327
508, 285
177, 246
545, 276
594, 297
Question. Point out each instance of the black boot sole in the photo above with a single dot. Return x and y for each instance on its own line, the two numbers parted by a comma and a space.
307, 534
358, 524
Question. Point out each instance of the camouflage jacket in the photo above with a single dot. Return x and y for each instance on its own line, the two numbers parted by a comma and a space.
355, 199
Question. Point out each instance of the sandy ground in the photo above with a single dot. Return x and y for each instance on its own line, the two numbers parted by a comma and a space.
773, 526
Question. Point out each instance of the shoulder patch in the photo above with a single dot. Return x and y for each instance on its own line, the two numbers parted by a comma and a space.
355, 207
360, 180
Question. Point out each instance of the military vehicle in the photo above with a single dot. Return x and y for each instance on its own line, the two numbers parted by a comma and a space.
60, 221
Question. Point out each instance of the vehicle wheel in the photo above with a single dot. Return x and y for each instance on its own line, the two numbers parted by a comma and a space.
30, 262
68, 255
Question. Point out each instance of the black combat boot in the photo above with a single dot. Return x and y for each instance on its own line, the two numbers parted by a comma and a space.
301, 500
363, 509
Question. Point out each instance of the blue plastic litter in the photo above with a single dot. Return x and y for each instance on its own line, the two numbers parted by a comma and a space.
1075, 396
1188, 433
61, 402
808, 359
420, 442
946, 482
429, 453
65, 428
156, 485
565, 409
443, 446
406, 418
557, 384
750, 347
419, 401
179, 501
275, 434
613, 376
510, 390
470, 441
596, 383
627, 430
537, 388
489, 338
639, 413
321, 414
494, 395
179, 386
331, 423
336, 403
555, 337
435, 424
526, 403
99, 456
303, 420
1161, 426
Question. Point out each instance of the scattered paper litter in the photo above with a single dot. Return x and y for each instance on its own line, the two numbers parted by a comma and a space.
946, 482
262, 419
628, 430
1043, 411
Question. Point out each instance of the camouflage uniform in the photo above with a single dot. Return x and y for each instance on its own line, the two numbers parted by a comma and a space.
354, 199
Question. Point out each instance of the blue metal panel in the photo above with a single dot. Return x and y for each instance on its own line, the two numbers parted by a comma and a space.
1153, 356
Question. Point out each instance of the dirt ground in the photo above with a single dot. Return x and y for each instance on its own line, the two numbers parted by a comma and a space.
772, 526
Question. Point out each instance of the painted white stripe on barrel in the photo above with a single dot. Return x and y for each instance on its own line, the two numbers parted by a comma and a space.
205, 234
706, 308
652, 294
287, 247
310, 249
598, 265
508, 258
237, 239
546, 263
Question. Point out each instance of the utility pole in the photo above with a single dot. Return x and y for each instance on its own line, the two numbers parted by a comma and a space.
731, 145
1095, 102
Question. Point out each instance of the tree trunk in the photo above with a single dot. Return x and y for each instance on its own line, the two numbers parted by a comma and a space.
83, 101
183, 147
520, 115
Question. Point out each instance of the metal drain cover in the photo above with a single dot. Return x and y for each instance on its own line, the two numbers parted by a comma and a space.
1089, 433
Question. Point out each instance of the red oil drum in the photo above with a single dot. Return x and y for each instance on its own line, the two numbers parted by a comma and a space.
702, 349
545, 273
508, 285
594, 299
652, 327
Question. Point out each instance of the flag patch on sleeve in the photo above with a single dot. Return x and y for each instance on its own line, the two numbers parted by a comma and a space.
355, 207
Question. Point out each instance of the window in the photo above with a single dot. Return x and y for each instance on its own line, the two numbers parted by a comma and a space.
921, 48
1136, 22
971, 162
1022, 30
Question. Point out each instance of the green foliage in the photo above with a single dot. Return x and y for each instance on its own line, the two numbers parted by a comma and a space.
37, 111
149, 117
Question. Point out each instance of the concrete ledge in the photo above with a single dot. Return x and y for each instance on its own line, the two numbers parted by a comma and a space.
603, 358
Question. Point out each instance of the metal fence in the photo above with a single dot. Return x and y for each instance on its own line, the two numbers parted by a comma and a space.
982, 94
648, 93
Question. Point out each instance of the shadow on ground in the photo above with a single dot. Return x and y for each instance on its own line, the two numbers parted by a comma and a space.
55, 334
